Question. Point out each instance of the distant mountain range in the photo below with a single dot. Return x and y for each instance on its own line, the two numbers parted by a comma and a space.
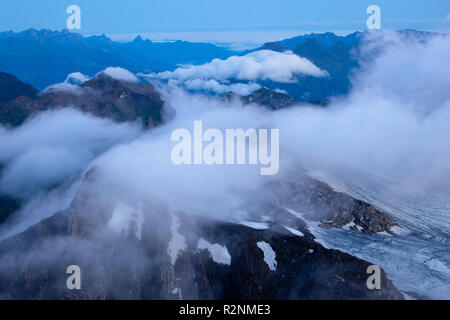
327, 39
45, 57
335, 54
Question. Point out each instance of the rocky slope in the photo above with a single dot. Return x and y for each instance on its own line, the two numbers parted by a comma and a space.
265, 97
332, 209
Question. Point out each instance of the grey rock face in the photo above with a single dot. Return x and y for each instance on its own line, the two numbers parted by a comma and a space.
333, 209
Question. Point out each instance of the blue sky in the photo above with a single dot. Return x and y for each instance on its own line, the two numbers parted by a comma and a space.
168, 16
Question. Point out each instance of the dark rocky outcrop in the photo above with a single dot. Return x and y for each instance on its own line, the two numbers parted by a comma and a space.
333, 209
265, 97
268, 98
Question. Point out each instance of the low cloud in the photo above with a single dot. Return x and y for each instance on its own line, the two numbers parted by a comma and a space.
212, 85
120, 74
413, 71
258, 65
143, 168
71, 84
222, 75
65, 87
77, 78
53, 147
42, 158
393, 124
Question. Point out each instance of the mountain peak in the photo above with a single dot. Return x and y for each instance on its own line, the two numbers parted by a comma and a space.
138, 39
47, 34
101, 81
271, 99
100, 38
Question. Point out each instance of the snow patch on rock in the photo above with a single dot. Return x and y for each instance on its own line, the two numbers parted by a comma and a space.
352, 224
295, 213
269, 255
255, 225
177, 291
178, 243
295, 231
399, 231
219, 254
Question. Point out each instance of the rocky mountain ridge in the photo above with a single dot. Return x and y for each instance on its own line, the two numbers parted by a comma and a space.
101, 96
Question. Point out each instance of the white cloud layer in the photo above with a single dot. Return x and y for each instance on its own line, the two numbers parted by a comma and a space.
212, 85
393, 124
77, 78
258, 65
53, 147
238, 74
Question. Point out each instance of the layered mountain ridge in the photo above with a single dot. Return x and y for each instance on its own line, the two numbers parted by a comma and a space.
44, 57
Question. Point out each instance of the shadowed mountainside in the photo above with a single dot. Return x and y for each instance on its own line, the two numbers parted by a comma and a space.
11, 88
